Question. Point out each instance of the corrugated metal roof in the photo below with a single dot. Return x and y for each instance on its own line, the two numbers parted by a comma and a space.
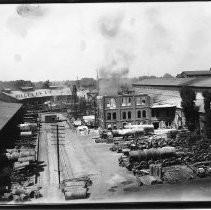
39, 93
206, 82
169, 97
178, 82
195, 73
7, 110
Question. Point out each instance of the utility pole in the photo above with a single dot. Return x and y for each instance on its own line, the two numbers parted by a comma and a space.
57, 145
38, 139
38, 144
58, 128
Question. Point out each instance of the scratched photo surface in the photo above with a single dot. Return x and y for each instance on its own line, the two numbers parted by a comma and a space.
105, 102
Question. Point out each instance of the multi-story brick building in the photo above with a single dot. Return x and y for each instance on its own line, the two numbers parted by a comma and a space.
116, 111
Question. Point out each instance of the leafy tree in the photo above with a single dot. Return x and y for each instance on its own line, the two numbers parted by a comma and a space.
167, 75
189, 108
207, 118
146, 77
88, 82
46, 84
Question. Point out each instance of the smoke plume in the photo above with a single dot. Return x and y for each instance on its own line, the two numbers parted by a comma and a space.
119, 53
30, 10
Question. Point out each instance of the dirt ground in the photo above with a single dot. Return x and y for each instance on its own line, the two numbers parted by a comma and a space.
110, 182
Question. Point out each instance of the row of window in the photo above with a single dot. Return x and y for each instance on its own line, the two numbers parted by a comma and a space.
126, 115
126, 101
113, 116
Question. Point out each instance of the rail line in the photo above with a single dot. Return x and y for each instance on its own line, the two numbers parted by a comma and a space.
65, 164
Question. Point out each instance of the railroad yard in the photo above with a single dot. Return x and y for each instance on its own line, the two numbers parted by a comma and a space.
60, 163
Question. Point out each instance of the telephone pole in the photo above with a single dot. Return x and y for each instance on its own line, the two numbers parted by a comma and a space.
58, 129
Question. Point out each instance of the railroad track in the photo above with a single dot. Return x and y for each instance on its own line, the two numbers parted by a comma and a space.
66, 170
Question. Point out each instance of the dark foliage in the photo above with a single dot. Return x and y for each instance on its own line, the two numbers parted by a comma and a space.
189, 108
16, 84
207, 118
46, 84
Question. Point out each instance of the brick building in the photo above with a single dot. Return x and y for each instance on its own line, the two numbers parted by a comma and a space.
116, 111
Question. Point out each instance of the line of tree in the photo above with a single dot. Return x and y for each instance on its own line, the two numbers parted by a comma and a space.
190, 110
207, 117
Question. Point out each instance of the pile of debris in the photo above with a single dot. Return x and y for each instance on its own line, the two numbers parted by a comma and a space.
76, 188
20, 193
151, 177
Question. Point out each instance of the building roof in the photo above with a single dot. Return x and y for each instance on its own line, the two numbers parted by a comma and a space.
178, 82
202, 83
7, 110
169, 98
20, 95
196, 73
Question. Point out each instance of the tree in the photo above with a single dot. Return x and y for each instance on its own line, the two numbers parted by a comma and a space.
167, 75
46, 84
207, 118
189, 108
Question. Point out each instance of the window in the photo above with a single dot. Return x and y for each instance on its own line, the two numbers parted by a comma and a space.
111, 103
144, 113
114, 116
139, 114
138, 101
143, 101
129, 115
123, 115
129, 101
109, 126
109, 116
126, 101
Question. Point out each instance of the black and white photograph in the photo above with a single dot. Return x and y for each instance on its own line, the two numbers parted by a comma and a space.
105, 102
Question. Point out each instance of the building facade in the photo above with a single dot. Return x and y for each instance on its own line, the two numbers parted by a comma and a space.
117, 111
165, 95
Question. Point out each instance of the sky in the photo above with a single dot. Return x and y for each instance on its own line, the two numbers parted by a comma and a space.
66, 41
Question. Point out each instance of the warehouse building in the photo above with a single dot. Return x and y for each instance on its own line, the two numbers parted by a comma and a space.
164, 92
117, 111
188, 74
11, 114
35, 97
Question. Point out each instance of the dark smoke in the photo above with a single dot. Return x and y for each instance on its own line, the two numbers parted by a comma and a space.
118, 55
110, 26
30, 10
118, 73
